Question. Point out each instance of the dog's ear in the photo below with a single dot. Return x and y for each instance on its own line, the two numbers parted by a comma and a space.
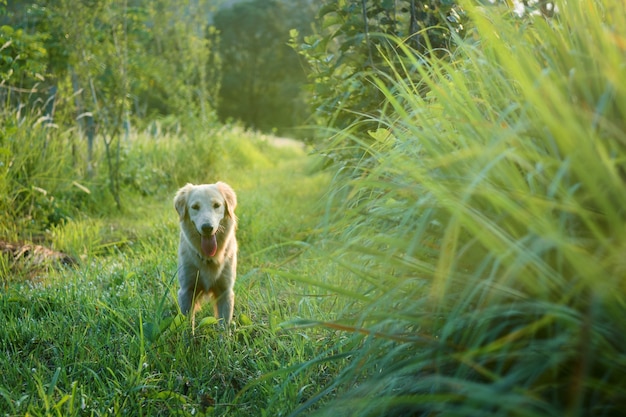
230, 197
180, 200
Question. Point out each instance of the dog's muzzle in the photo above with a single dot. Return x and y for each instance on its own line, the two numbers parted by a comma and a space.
208, 241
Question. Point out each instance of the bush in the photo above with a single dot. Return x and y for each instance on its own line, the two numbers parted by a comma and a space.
485, 223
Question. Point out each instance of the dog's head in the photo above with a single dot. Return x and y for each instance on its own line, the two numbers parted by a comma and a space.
206, 206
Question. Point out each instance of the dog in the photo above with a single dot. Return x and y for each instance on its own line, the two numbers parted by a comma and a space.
207, 252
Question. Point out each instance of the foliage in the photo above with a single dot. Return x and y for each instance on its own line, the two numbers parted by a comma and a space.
43, 185
352, 44
23, 59
484, 225
474, 236
119, 62
261, 86
179, 70
161, 54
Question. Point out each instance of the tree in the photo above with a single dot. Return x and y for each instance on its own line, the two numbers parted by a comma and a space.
23, 61
119, 61
180, 72
357, 39
262, 75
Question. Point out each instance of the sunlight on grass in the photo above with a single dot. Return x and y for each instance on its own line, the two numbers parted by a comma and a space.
483, 222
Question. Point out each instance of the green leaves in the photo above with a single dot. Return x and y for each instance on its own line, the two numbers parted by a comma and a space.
23, 57
262, 86
353, 43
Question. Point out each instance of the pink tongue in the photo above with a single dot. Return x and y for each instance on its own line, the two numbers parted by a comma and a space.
209, 246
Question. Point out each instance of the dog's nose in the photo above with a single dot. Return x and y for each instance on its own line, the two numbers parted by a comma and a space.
207, 229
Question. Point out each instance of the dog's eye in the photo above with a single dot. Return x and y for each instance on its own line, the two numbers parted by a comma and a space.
216, 205
195, 206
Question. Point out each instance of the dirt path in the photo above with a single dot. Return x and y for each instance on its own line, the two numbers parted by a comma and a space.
285, 142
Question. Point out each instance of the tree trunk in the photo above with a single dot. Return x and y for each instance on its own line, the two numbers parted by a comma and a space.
414, 28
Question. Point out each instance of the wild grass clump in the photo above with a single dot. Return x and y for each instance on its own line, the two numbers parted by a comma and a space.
47, 176
37, 172
485, 222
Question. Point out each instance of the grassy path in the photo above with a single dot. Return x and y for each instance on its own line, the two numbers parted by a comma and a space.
106, 338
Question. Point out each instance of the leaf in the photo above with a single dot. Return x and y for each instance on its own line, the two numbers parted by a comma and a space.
208, 321
6, 45
245, 320
150, 331
380, 134
167, 395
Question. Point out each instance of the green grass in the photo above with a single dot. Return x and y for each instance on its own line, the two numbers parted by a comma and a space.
106, 338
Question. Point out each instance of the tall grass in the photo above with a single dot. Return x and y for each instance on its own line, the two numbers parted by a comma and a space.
485, 223
37, 165
45, 179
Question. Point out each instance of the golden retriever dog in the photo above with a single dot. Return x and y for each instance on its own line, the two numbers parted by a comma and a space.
207, 253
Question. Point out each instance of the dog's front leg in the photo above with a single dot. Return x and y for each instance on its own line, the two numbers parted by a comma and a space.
185, 300
225, 306
225, 302
188, 279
